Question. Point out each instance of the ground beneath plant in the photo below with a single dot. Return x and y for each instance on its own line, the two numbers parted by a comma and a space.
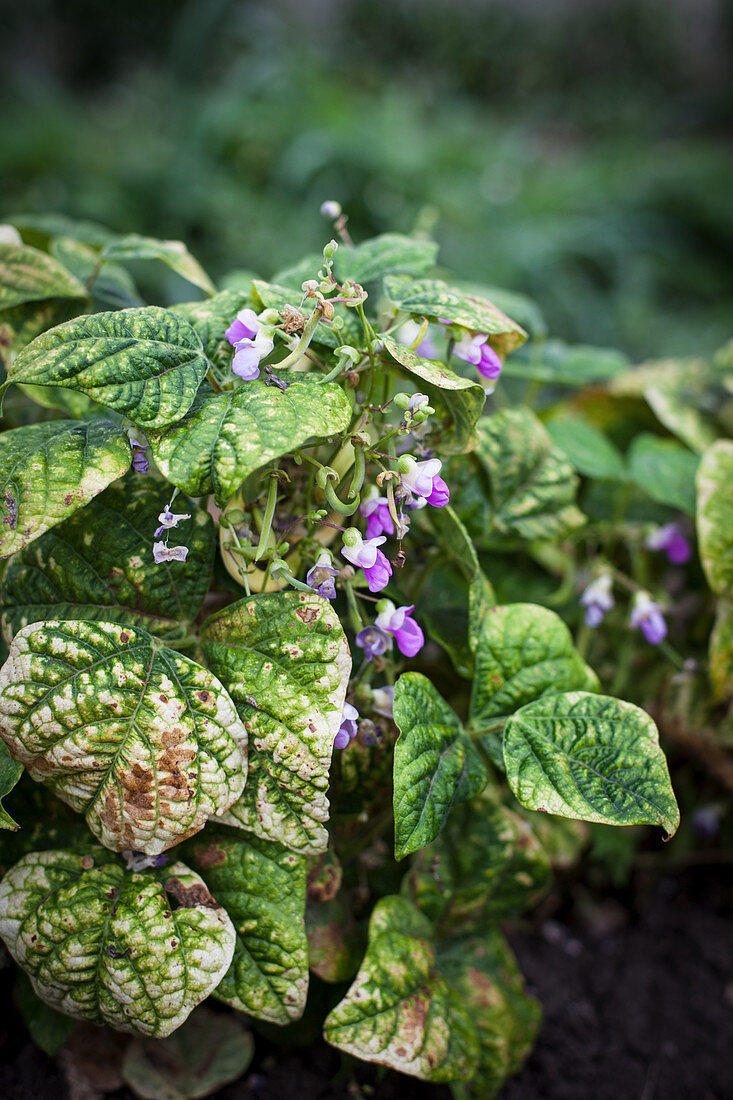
638, 1000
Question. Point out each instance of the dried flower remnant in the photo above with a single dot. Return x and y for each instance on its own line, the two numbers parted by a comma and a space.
163, 552
168, 519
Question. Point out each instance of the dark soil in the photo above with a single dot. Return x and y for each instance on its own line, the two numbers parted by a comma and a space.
638, 999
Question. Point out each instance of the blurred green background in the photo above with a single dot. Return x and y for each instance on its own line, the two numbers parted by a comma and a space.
578, 152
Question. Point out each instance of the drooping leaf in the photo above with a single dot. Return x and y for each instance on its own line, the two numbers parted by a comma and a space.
226, 436
262, 887
715, 516
522, 652
400, 1011
206, 1052
48, 471
665, 470
285, 660
36, 291
485, 866
48, 1029
484, 973
388, 254
589, 451
517, 484
10, 773
73, 404
436, 766
141, 740
77, 571
458, 401
434, 298
172, 253
721, 652
590, 757
99, 943
111, 286
146, 363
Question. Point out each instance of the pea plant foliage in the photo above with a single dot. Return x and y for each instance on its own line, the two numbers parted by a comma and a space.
264, 718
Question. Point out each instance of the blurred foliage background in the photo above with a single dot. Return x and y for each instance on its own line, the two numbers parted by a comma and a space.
578, 152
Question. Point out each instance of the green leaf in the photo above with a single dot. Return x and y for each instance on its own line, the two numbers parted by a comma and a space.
523, 652
484, 974
435, 299
10, 773
211, 318
172, 253
521, 486
458, 401
285, 659
112, 287
678, 416
206, 1052
436, 765
721, 652
715, 516
272, 296
455, 540
48, 471
590, 757
141, 740
567, 364
48, 1029
72, 404
485, 866
36, 291
262, 887
388, 254
39, 229
226, 436
76, 571
336, 942
99, 943
401, 1012
665, 470
525, 311
589, 451
146, 363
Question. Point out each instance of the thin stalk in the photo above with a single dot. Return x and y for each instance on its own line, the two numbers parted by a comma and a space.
267, 518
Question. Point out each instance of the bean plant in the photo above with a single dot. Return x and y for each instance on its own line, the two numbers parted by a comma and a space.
267, 714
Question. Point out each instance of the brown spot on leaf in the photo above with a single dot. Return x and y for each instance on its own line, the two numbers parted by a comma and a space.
210, 856
112, 893
115, 953
125, 637
87, 862
190, 897
163, 698
306, 614
68, 499
204, 696
11, 507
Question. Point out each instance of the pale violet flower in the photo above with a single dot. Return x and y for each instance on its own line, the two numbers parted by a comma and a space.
168, 519
138, 861
163, 552
331, 209
398, 621
320, 577
252, 341
423, 480
348, 728
408, 333
375, 510
478, 351
374, 641
365, 554
672, 541
597, 599
647, 617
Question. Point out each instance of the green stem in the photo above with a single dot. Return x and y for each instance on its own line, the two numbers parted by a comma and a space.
354, 613
266, 527
297, 352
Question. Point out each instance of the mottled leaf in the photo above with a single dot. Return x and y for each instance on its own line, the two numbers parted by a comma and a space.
141, 740
10, 773
588, 450
286, 662
388, 254
485, 866
715, 516
146, 363
721, 652
226, 436
400, 1011
435, 764
36, 291
76, 571
172, 253
522, 652
435, 299
517, 484
678, 416
665, 470
205, 1053
99, 943
262, 887
455, 540
48, 471
590, 757
336, 942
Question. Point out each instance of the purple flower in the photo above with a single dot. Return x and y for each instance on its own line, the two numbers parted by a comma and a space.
597, 599
409, 332
139, 456
320, 576
365, 554
348, 728
671, 540
163, 552
374, 641
252, 341
398, 621
383, 701
478, 351
168, 519
138, 861
646, 616
375, 509
423, 480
